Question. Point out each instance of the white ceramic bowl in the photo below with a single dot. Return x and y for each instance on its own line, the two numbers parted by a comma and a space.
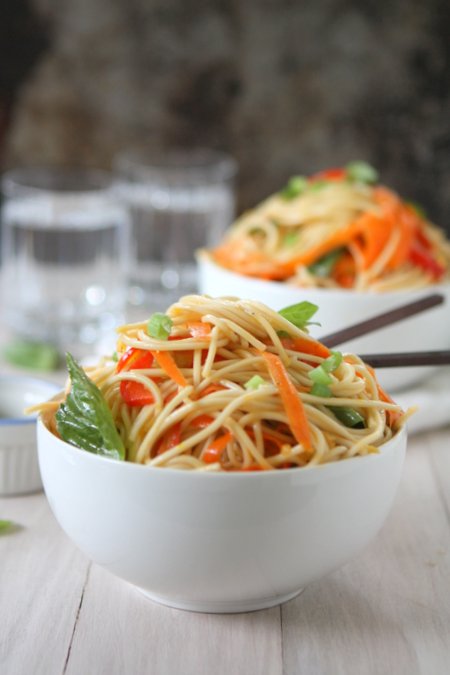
338, 309
227, 542
19, 468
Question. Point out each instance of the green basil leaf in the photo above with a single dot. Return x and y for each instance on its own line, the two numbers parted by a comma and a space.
361, 172
324, 266
299, 314
349, 417
159, 326
295, 187
84, 419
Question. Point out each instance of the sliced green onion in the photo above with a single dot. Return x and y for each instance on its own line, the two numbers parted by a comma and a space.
322, 390
319, 375
290, 239
324, 266
349, 417
115, 357
361, 172
318, 185
254, 382
332, 362
299, 314
159, 326
420, 211
295, 187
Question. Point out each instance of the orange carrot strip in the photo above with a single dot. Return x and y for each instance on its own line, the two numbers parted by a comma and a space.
214, 450
306, 346
198, 329
167, 363
291, 400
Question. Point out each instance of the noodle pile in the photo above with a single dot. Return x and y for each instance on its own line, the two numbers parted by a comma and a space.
228, 388
333, 232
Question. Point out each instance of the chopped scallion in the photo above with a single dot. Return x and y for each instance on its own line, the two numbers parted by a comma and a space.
324, 266
322, 390
295, 187
159, 326
361, 172
254, 382
348, 416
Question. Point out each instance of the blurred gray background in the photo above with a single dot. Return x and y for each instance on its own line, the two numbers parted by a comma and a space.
286, 87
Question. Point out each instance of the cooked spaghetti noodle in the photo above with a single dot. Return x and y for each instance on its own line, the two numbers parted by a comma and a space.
335, 231
233, 385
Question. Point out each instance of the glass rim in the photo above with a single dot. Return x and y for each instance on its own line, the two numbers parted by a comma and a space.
56, 180
206, 164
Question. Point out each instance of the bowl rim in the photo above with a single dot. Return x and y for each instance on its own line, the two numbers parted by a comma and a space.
392, 445
204, 259
24, 380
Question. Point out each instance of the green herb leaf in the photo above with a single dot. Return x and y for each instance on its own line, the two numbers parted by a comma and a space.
322, 390
324, 266
295, 187
299, 314
349, 417
361, 172
84, 419
115, 357
254, 382
6, 526
32, 355
159, 326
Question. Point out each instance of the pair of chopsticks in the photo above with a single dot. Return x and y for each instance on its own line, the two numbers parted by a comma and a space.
434, 358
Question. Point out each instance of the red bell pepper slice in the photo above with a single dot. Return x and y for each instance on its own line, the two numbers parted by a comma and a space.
135, 393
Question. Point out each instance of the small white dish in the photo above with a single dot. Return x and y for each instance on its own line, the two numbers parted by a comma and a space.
19, 468
224, 542
339, 309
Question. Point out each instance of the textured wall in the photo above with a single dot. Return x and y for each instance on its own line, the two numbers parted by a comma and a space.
284, 86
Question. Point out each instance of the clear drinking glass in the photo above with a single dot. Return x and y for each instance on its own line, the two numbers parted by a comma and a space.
64, 249
178, 202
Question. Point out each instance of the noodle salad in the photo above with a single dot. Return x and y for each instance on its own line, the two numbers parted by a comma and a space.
337, 229
224, 385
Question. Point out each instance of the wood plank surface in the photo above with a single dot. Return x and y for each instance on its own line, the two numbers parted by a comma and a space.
120, 631
41, 581
389, 610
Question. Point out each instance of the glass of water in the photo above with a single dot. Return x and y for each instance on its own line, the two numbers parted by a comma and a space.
64, 250
178, 202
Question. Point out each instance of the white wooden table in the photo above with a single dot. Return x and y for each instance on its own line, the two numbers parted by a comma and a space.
387, 611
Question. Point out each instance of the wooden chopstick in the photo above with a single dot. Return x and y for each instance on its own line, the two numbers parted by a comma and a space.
407, 359
382, 320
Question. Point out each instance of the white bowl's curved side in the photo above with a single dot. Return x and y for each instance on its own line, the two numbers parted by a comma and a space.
339, 309
227, 542
19, 467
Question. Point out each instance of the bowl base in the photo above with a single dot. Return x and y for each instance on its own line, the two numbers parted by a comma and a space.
222, 606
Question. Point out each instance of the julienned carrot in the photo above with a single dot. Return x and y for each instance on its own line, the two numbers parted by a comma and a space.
167, 363
339, 238
211, 389
306, 346
392, 415
291, 400
199, 329
214, 450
